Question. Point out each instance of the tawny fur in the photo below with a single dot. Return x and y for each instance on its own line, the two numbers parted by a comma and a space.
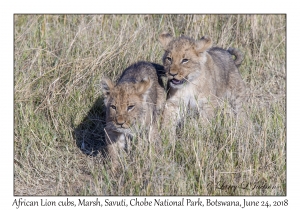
132, 105
199, 77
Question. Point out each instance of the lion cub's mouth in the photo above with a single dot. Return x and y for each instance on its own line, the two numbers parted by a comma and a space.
122, 128
177, 82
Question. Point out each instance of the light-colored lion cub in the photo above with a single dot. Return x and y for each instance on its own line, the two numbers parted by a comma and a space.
199, 77
132, 105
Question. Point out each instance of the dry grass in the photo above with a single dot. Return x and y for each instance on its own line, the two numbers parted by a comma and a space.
58, 64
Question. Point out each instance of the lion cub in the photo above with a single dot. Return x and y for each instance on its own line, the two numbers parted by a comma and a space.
132, 105
199, 77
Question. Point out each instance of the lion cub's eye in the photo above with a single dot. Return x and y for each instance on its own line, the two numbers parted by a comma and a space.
130, 107
113, 107
169, 59
185, 60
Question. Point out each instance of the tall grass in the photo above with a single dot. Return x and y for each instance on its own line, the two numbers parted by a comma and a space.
59, 61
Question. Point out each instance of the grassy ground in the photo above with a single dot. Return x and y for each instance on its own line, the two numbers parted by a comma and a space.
59, 61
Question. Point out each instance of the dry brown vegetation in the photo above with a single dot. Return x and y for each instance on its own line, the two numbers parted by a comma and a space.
59, 61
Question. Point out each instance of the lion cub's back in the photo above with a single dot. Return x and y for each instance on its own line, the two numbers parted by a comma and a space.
137, 72
223, 59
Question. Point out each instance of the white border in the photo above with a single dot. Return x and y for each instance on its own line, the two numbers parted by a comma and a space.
154, 6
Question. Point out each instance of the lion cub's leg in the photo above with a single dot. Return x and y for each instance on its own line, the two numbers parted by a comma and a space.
208, 105
154, 137
161, 99
114, 143
170, 119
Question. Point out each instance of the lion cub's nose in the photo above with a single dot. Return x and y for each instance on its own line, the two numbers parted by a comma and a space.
120, 121
173, 75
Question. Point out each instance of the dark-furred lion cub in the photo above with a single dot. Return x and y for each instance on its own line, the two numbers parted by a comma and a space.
133, 104
199, 77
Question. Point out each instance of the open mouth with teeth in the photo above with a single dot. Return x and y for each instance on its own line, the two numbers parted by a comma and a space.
177, 82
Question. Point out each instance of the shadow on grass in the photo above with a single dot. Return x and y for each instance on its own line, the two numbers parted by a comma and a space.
89, 134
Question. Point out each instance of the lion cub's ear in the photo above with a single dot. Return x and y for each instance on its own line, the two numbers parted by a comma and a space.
143, 86
203, 44
106, 85
164, 39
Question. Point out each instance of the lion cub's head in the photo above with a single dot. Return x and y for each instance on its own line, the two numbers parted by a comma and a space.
183, 57
124, 103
